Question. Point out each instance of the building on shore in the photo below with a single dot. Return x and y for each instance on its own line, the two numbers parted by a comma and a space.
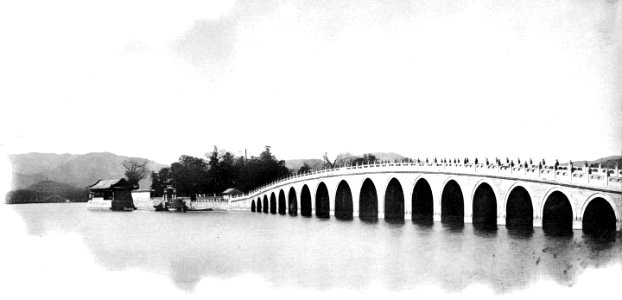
114, 194
230, 192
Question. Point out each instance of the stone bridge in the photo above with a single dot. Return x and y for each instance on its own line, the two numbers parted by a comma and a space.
487, 195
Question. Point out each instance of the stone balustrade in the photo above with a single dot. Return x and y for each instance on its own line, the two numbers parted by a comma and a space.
610, 179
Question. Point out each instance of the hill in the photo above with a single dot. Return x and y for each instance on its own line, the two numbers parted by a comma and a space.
77, 170
314, 163
53, 187
295, 164
606, 162
390, 156
47, 192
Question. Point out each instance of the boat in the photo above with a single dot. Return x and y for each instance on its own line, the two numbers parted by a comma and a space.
201, 209
177, 204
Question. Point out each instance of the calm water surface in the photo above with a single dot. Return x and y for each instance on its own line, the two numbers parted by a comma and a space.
316, 253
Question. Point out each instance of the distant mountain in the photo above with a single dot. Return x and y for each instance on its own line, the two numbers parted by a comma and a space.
77, 170
33, 163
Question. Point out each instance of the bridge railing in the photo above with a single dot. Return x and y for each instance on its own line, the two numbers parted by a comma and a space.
586, 176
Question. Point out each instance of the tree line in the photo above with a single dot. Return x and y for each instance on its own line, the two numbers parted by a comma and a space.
218, 171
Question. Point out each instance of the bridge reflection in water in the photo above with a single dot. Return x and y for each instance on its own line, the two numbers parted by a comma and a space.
519, 197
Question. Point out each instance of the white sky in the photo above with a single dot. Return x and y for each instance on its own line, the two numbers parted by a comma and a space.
158, 79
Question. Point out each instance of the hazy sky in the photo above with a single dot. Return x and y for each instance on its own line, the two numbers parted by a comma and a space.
158, 79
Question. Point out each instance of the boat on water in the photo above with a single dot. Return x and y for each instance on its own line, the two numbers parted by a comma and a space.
202, 209
186, 204
199, 203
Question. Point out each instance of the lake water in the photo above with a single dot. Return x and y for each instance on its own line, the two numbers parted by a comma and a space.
300, 252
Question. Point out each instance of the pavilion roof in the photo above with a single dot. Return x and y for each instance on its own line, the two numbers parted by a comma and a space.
231, 191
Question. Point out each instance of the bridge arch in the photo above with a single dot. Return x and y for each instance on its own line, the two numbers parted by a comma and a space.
599, 214
606, 198
452, 202
368, 200
305, 201
557, 213
489, 183
322, 201
282, 203
529, 191
253, 206
293, 202
272, 203
484, 208
422, 200
266, 207
518, 204
343, 201
394, 200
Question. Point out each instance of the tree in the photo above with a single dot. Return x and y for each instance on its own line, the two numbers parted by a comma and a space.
327, 162
221, 170
189, 176
266, 155
304, 168
159, 181
135, 171
341, 160
369, 158
156, 184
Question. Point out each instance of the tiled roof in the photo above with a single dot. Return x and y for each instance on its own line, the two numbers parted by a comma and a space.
106, 184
